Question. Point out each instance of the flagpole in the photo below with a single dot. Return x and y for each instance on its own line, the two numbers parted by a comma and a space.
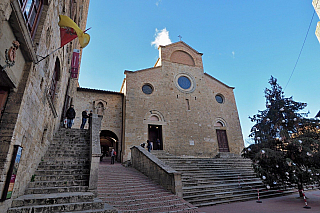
42, 58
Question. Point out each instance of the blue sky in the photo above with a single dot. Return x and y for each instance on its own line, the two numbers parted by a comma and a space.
243, 44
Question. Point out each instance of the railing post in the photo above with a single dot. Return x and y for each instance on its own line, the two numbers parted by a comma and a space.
95, 150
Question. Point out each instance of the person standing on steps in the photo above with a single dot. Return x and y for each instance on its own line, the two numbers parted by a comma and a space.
84, 118
113, 155
149, 145
90, 118
158, 143
71, 114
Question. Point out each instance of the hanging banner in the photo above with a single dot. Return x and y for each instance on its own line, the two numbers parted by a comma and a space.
12, 173
75, 63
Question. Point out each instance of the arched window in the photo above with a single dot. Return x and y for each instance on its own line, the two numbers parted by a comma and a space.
100, 108
55, 79
154, 118
219, 124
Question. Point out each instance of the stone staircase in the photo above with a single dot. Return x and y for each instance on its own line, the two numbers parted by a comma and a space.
128, 190
60, 184
211, 181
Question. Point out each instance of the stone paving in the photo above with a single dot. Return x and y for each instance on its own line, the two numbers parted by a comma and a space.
130, 191
285, 204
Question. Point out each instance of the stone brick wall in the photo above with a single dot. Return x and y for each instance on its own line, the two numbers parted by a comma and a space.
31, 118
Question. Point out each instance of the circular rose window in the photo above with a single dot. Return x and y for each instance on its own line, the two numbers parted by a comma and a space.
185, 82
147, 89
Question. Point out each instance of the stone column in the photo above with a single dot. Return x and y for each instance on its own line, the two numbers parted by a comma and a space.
95, 150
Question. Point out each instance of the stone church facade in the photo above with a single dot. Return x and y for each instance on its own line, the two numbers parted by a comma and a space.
189, 111
33, 94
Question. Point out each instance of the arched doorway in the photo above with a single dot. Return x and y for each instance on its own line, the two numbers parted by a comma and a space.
108, 141
155, 136
222, 136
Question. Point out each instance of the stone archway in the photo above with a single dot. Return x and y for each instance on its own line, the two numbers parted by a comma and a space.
108, 140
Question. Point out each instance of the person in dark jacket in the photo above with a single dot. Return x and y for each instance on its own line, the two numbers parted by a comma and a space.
149, 145
113, 155
90, 118
84, 118
71, 114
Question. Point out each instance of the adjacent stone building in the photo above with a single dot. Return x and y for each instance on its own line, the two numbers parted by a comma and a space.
33, 94
108, 104
189, 111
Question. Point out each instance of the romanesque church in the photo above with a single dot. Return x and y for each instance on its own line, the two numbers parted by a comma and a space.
189, 111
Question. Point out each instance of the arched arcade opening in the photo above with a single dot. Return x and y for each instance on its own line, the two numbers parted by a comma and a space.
108, 141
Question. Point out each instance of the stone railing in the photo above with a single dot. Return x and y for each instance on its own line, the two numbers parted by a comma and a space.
155, 169
95, 150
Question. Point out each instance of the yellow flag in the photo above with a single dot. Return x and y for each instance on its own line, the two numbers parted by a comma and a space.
66, 22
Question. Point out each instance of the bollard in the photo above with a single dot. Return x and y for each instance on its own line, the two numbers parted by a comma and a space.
258, 201
305, 201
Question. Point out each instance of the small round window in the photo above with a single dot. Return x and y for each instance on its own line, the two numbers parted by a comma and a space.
184, 82
219, 99
147, 89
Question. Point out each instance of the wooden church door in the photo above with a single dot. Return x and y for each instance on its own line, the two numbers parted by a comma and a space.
222, 140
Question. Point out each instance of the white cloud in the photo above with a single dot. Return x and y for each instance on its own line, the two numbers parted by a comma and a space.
233, 54
158, 2
161, 38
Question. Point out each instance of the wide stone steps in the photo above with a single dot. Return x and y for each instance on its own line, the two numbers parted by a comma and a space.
61, 177
130, 191
63, 154
63, 167
219, 187
73, 171
49, 190
60, 184
213, 166
218, 180
56, 198
65, 207
237, 198
197, 193
209, 179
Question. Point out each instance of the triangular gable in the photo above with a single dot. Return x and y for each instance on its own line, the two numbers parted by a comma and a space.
181, 42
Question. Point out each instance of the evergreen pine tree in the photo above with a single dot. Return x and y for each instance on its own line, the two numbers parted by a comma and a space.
286, 148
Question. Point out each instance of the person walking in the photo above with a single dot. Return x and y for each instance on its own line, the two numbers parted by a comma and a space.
113, 155
84, 118
71, 114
